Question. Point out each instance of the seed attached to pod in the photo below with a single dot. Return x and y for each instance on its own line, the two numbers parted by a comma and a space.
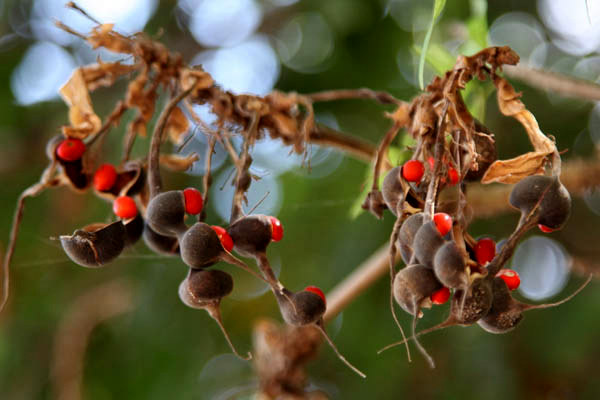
193, 201
224, 237
441, 296
95, 245
545, 229
124, 207
276, 229
485, 250
413, 170
443, 223
453, 176
70, 149
105, 177
510, 277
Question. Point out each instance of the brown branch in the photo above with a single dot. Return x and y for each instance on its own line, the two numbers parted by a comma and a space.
88, 311
358, 148
362, 93
558, 83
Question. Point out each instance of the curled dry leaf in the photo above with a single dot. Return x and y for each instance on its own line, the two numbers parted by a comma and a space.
177, 125
178, 163
104, 36
82, 117
104, 74
515, 169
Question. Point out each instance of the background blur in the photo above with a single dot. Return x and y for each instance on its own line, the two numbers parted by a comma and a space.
162, 349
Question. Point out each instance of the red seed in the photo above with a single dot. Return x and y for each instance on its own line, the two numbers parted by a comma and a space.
105, 177
124, 207
193, 201
276, 229
443, 223
441, 296
485, 250
70, 149
431, 162
316, 291
545, 229
413, 170
453, 176
226, 240
510, 277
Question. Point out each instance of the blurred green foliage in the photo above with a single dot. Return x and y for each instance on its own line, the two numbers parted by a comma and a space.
161, 349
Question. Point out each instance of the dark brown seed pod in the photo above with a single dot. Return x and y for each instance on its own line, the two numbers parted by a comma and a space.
73, 170
464, 310
95, 245
507, 312
211, 284
133, 230
426, 243
131, 180
305, 308
200, 247
548, 194
203, 290
392, 190
251, 235
413, 286
300, 308
166, 212
449, 266
167, 245
407, 234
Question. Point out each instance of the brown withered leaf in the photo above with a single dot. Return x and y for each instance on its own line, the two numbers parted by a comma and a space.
104, 74
178, 163
515, 169
195, 76
104, 36
512, 171
82, 117
177, 125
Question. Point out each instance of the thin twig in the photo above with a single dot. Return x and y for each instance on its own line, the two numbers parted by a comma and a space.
362, 93
207, 180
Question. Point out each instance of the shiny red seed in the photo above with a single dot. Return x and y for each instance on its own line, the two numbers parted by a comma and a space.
276, 229
70, 149
453, 176
193, 201
441, 296
226, 240
124, 207
443, 223
316, 291
413, 170
105, 177
545, 229
485, 250
510, 277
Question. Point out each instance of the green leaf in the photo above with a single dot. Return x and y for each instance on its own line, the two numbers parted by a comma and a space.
477, 23
438, 7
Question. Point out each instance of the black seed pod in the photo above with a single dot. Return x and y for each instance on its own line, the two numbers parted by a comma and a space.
503, 316
251, 235
134, 230
407, 234
307, 307
391, 189
200, 246
212, 284
426, 243
95, 245
475, 306
166, 212
449, 266
167, 245
413, 286
553, 198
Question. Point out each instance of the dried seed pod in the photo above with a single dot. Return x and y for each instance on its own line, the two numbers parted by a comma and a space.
203, 290
548, 194
200, 247
426, 243
449, 266
305, 308
73, 170
251, 234
165, 213
506, 312
391, 189
95, 245
167, 245
407, 234
133, 230
413, 287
